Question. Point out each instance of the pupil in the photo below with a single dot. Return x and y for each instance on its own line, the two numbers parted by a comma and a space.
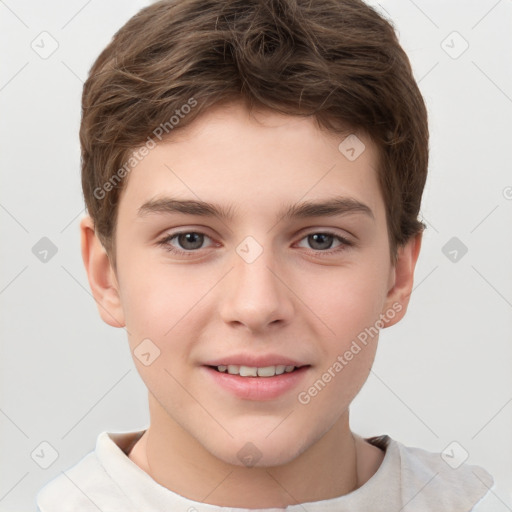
320, 238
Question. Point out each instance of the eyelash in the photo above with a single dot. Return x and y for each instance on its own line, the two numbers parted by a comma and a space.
345, 244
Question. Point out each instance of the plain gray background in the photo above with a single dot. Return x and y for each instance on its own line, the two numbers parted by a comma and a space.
442, 375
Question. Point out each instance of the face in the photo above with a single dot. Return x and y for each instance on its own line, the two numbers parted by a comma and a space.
257, 279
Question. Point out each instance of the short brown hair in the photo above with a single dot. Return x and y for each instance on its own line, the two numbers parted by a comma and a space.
337, 60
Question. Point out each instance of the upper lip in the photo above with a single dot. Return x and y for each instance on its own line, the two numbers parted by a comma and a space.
260, 361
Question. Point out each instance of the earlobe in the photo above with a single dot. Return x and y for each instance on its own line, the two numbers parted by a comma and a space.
403, 279
101, 276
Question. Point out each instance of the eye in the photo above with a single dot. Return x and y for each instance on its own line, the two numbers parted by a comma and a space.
322, 242
188, 242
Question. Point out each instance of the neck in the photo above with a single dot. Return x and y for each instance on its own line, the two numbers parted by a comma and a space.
174, 459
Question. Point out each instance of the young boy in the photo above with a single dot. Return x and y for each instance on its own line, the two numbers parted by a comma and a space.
253, 174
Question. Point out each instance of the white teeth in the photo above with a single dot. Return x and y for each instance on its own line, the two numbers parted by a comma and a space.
280, 369
251, 371
267, 371
233, 369
247, 371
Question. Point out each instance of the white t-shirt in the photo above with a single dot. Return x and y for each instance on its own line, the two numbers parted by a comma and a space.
408, 479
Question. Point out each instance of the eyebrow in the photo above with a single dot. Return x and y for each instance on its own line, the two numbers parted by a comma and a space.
306, 209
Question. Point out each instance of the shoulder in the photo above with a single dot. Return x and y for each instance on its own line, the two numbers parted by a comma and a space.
438, 481
84, 486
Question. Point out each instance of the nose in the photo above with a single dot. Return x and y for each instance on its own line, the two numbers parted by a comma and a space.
256, 294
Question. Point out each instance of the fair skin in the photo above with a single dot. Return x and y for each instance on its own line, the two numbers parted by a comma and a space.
292, 300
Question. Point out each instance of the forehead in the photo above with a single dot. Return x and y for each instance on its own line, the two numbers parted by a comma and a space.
255, 162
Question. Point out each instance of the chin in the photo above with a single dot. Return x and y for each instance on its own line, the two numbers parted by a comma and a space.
247, 451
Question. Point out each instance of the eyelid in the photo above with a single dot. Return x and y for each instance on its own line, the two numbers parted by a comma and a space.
339, 232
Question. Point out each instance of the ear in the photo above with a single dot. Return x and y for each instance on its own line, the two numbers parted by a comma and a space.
102, 278
401, 281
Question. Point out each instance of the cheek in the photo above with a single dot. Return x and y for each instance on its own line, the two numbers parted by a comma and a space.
166, 306
348, 354
155, 296
347, 300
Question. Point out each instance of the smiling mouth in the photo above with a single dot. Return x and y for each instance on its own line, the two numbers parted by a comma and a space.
252, 371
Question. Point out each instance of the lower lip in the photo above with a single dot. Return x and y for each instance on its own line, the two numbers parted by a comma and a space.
258, 388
